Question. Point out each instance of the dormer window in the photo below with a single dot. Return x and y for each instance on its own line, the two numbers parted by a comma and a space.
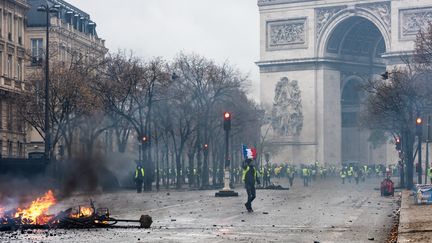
91, 28
69, 17
76, 21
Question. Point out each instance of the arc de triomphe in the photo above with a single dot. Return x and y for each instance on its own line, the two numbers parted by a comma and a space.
313, 56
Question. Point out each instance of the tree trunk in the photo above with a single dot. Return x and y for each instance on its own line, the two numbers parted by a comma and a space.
173, 169
214, 166
167, 168
409, 147
157, 163
199, 160
178, 170
205, 169
191, 157
183, 169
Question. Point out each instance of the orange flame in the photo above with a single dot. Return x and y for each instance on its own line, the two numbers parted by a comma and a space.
36, 212
83, 212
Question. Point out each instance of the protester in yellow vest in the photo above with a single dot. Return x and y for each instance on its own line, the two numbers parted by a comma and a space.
139, 178
249, 177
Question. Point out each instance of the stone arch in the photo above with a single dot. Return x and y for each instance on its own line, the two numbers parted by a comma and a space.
350, 78
355, 38
351, 83
343, 15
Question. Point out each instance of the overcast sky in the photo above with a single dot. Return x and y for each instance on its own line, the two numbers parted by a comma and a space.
218, 29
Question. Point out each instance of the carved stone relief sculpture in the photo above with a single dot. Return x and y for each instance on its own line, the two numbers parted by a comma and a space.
286, 33
413, 20
324, 15
381, 10
287, 112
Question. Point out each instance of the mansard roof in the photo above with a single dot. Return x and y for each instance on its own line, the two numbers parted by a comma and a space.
68, 14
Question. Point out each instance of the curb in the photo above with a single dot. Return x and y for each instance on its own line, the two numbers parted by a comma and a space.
415, 221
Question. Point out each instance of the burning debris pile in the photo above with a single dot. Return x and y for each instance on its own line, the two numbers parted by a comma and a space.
36, 216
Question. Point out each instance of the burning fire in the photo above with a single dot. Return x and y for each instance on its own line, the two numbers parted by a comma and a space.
36, 212
83, 212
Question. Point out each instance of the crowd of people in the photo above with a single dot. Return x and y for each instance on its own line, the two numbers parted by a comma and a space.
348, 173
307, 173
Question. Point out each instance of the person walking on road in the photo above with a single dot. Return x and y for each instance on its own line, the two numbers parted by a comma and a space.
356, 175
290, 172
305, 174
266, 177
250, 177
350, 173
139, 178
343, 175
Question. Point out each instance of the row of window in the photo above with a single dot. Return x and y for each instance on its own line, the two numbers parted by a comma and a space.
11, 113
38, 51
9, 68
13, 24
20, 153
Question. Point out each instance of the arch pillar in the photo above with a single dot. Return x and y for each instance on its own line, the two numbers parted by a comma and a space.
328, 114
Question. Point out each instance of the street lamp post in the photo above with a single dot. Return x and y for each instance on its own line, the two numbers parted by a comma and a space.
428, 138
47, 9
419, 122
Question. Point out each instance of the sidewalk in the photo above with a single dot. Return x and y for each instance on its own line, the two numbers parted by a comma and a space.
415, 223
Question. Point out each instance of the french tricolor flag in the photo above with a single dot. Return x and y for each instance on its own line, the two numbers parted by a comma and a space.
249, 153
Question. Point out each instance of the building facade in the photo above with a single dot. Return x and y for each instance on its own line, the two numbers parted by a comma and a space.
12, 76
72, 32
314, 54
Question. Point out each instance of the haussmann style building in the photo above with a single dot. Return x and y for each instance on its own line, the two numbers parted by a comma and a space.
71, 31
12, 76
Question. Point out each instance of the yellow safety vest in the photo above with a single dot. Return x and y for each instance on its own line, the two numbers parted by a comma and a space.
138, 171
245, 171
342, 174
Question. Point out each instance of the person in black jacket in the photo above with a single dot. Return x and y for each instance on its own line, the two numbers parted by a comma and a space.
250, 176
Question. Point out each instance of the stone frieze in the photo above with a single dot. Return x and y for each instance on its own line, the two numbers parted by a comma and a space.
286, 33
414, 20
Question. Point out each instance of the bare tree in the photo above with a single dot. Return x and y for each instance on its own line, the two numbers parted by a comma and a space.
393, 104
129, 91
209, 84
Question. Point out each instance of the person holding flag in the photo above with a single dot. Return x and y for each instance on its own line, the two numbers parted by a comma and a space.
250, 175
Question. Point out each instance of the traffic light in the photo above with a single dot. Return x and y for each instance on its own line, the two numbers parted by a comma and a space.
419, 125
142, 139
206, 146
227, 121
398, 144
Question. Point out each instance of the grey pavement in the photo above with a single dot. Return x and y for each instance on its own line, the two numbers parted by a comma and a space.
327, 211
415, 223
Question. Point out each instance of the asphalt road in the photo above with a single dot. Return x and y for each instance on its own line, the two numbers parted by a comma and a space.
327, 211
